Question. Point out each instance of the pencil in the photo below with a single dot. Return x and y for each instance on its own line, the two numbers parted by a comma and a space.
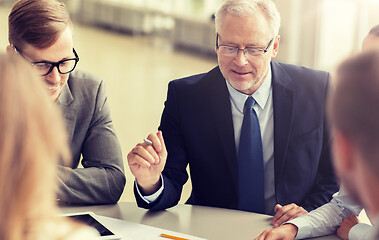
148, 141
173, 237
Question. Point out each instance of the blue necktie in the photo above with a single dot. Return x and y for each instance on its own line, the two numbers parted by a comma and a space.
250, 163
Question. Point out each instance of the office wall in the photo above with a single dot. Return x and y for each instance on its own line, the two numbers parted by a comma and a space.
311, 31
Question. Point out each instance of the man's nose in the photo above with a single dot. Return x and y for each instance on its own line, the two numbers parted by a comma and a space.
240, 59
53, 77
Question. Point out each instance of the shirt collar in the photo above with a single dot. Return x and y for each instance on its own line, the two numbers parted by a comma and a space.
260, 96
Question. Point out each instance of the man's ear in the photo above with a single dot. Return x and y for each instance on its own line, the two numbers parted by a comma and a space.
10, 49
344, 153
216, 36
275, 47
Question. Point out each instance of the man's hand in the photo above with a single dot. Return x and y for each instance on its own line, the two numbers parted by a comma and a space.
146, 163
346, 225
286, 213
284, 232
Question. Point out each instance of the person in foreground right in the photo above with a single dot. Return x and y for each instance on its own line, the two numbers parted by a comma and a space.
354, 116
32, 138
341, 213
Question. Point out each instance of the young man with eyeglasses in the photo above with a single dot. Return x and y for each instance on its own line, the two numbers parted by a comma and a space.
252, 130
42, 33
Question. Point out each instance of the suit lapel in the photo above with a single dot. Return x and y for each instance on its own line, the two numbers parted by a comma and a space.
222, 117
283, 97
69, 113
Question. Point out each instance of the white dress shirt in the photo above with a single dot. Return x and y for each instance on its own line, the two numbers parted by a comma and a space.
326, 219
151, 198
264, 111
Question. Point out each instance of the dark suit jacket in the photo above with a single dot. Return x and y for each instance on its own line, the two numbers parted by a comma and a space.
93, 141
198, 130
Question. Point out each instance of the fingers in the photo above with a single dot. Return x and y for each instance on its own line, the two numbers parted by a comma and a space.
350, 220
280, 211
277, 207
343, 231
146, 154
163, 152
158, 146
140, 156
262, 236
156, 141
143, 153
287, 213
287, 231
353, 219
346, 225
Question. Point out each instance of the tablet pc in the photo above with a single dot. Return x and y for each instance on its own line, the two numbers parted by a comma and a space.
90, 219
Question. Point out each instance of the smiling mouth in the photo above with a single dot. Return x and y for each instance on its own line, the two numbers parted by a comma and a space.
240, 73
54, 88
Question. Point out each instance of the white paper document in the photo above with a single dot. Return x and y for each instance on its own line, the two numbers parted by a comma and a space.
135, 231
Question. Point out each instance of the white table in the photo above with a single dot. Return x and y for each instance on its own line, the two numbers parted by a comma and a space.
205, 222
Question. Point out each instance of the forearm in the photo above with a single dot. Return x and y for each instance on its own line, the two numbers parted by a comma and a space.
327, 218
322, 221
153, 196
93, 185
168, 197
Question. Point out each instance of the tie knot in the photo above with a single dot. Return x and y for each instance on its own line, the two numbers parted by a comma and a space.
249, 103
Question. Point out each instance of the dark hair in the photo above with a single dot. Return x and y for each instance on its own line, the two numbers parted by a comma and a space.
374, 30
354, 105
37, 22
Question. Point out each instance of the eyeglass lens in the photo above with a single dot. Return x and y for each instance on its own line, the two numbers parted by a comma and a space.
64, 66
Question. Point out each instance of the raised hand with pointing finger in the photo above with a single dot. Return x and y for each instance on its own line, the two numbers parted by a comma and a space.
146, 161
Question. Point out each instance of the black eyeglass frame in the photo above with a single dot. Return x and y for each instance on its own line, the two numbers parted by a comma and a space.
53, 64
243, 49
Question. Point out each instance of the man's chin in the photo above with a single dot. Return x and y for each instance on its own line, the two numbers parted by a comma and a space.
242, 86
54, 97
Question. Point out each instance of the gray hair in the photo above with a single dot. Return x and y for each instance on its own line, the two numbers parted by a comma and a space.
243, 8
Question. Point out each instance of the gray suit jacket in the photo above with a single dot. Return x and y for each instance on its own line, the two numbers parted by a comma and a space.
90, 131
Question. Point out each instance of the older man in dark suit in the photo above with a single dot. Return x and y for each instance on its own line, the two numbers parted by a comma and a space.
252, 130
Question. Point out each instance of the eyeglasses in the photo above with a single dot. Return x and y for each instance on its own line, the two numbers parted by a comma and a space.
249, 52
45, 67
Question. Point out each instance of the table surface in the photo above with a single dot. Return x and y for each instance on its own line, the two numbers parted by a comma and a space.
205, 222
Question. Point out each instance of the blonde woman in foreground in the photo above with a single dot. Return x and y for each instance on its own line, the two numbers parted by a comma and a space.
32, 139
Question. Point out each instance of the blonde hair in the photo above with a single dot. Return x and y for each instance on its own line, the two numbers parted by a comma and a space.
32, 140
